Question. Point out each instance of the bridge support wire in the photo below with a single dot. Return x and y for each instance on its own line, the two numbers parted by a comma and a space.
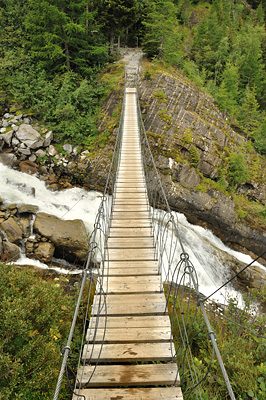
181, 283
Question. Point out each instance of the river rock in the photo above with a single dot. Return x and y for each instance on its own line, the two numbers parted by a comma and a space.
44, 251
52, 151
48, 139
24, 224
11, 252
68, 148
28, 167
40, 153
29, 136
69, 237
28, 208
12, 230
8, 159
8, 137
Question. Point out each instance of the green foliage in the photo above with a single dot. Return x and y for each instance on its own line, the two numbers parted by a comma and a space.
242, 352
238, 170
34, 323
68, 103
162, 36
194, 155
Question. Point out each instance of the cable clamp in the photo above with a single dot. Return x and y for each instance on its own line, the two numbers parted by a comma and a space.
212, 333
64, 349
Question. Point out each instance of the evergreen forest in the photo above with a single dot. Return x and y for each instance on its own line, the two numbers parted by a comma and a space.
53, 57
52, 52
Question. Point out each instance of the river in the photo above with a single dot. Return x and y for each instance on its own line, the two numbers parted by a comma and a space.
202, 246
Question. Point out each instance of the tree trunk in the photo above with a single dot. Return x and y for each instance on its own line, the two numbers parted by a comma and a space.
112, 41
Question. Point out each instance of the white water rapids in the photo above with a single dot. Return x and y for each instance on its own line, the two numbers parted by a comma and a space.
201, 245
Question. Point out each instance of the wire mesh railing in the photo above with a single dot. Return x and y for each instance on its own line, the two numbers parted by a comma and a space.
91, 300
179, 281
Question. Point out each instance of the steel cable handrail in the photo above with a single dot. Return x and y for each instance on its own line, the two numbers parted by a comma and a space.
181, 281
98, 257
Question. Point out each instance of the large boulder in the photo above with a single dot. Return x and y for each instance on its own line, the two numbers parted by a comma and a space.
69, 237
12, 230
29, 136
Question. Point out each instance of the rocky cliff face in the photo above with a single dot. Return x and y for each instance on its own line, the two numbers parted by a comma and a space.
191, 141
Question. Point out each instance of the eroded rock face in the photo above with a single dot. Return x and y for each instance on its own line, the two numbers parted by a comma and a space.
69, 237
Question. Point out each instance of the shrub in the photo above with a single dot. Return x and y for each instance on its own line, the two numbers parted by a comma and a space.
238, 169
34, 323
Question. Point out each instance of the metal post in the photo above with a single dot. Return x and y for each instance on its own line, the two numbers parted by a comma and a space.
213, 339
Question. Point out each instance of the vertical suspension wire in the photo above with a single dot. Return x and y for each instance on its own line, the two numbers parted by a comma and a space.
98, 256
168, 241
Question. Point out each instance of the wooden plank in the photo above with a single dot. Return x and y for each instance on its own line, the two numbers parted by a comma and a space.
128, 375
134, 223
169, 393
148, 322
118, 243
132, 284
131, 264
118, 215
132, 271
132, 298
123, 309
123, 352
132, 335
129, 207
129, 232
127, 254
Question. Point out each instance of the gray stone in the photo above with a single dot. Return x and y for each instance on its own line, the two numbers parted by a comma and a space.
4, 123
68, 148
15, 141
11, 252
186, 175
2, 130
26, 152
52, 151
40, 153
16, 128
18, 117
8, 137
29, 136
8, 159
12, 230
26, 120
7, 115
32, 158
48, 139
69, 237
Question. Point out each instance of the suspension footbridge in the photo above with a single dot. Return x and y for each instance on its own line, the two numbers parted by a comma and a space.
138, 275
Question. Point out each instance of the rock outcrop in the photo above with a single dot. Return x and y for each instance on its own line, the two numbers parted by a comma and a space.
68, 237
41, 236
191, 141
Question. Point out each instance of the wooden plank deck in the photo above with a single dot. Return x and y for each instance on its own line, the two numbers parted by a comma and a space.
129, 329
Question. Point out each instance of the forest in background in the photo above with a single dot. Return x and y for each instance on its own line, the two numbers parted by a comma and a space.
52, 50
